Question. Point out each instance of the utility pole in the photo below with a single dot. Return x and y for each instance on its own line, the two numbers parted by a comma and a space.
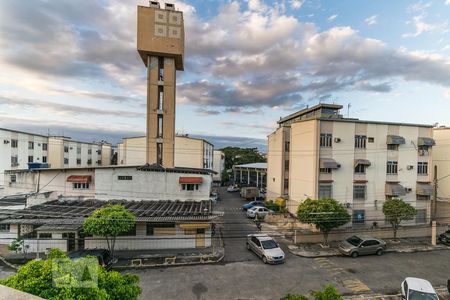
433, 208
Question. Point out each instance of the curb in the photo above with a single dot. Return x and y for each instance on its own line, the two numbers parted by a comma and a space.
386, 251
15, 267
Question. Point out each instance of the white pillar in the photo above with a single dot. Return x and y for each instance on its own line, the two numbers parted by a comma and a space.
433, 233
257, 178
240, 178
248, 176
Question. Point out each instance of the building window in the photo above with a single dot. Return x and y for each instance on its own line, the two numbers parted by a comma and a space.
359, 216
286, 165
286, 184
371, 140
66, 161
45, 235
392, 147
325, 191
44, 159
4, 227
161, 68
14, 161
44, 146
30, 158
124, 177
423, 150
360, 169
80, 185
189, 187
423, 197
30, 145
391, 167
325, 170
66, 149
287, 146
161, 228
160, 127
326, 139
160, 97
13, 178
159, 153
89, 161
78, 150
359, 191
78, 161
360, 141
421, 216
422, 168
89, 151
14, 143
99, 152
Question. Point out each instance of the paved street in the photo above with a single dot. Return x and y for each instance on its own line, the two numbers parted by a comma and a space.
243, 276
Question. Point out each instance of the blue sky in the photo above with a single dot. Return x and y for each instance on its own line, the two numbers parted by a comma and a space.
71, 67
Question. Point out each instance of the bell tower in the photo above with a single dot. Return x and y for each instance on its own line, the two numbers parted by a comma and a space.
160, 43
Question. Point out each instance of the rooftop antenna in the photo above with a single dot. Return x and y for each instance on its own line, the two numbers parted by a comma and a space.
348, 110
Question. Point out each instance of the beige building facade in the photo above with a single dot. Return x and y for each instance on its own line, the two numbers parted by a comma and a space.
317, 153
441, 159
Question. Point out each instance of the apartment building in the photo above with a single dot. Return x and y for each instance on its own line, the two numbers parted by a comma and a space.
218, 165
18, 148
317, 153
189, 152
441, 159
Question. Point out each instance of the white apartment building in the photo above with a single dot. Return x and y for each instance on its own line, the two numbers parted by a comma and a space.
18, 148
218, 165
318, 153
189, 152
441, 159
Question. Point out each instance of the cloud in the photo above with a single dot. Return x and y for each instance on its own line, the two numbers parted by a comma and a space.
447, 92
419, 6
447, 2
65, 109
332, 18
297, 4
423, 27
372, 20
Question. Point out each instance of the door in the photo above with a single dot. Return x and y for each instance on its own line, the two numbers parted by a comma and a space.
366, 247
200, 238
70, 236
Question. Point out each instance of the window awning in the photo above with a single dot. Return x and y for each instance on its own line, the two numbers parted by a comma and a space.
79, 178
364, 162
194, 225
425, 141
191, 180
424, 189
328, 163
395, 140
395, 189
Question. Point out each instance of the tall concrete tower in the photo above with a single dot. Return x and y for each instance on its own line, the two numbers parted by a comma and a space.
160, 43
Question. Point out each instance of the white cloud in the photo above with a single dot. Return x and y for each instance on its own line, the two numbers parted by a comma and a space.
423, 27
447, 92
447, 2
297, 4
419, 6
372, 20
332, 18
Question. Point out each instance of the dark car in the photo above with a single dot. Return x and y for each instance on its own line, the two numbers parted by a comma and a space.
444, 238
103, 256
251, 204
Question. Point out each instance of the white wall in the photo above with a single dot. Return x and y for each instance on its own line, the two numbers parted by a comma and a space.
218, 165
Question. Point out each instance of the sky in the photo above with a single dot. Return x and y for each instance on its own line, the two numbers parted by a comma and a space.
71, 67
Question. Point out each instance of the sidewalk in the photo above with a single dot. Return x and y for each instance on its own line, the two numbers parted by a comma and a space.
403, 245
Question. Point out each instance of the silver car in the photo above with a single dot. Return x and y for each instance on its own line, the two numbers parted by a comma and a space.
265, 247
355, 246
259, 211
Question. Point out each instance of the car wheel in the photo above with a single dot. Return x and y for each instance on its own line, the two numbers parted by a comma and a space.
354, 254
248, 246
379, 252
264, 259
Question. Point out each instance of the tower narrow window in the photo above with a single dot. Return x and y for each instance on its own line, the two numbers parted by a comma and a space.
160, 97
161, 68
160, 126
159, 154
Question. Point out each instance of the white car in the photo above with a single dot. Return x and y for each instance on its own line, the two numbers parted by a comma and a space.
418, 289
232, 189
259, 211
265, 247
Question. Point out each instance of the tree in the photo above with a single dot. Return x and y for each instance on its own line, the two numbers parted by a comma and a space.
325, 214
396, 210
329, 293
109, 222
40, 278
239, 156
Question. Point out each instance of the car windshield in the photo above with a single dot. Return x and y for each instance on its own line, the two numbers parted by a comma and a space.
354, 240
418, 295
270, 244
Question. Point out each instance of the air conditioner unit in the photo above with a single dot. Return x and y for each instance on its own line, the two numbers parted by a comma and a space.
337, 140
348, 205
5, 142
408, 190
154, 4
71, 148
421, 152
410, 167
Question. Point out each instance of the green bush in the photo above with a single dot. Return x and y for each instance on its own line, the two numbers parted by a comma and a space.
328, 293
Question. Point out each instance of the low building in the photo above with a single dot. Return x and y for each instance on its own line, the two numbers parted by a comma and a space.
189, 152
317, 153
148, 182
218, 166
159, 225
441, 160
250, 174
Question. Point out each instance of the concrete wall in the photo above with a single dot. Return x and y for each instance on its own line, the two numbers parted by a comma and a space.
441, 159
218, 164
189, 152
275, 165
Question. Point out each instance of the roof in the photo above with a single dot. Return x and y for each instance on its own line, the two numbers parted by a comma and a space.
58, 213
160, 168
254, 166
419, 284
351, 120
307, 110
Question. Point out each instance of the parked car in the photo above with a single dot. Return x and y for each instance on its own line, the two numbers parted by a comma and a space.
266, 248
103, 256
355, 246
259, 211
233, 189
418, 289
251, 204
444, 238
